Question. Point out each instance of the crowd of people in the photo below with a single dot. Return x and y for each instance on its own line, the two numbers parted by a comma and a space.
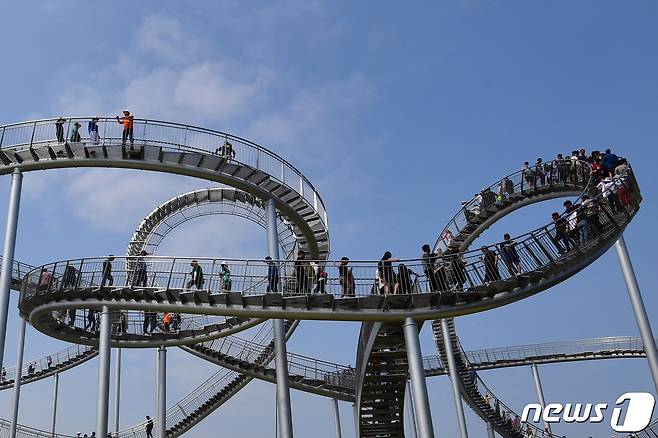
127, 121
608, 192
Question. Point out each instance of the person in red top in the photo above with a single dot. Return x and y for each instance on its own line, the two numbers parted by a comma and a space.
127, 121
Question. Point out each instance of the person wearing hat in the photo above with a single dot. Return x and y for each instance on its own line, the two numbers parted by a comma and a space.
197, 276
346, 278
140, 275
107, 271
272, 275
75, 133
92, 128
127, 121
59, 129
226, 278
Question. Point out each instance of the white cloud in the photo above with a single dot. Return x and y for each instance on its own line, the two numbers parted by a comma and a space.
118, 200
171, 73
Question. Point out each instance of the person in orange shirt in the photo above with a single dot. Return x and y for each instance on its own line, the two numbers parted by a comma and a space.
166, 320
127, 121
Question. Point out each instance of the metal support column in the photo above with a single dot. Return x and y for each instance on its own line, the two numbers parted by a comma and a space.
641, 318
355, 412
334, 403
161, 431
540, 392
117, 390
284, 410
411, 412
53, 421
490, 431
454, 379
104, 357
8, 255
17, 378
417, 377
282, 383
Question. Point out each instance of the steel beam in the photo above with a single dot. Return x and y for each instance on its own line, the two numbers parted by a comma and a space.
162, 393
334, 403
53, 421
540, 392
454, 379
640, 312
8, 254
104, 357
284, 409
17, 379
417, 376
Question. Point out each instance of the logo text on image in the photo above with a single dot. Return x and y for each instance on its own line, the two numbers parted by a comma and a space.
637, 412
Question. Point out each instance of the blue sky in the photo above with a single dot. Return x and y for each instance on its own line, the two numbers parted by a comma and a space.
395, 112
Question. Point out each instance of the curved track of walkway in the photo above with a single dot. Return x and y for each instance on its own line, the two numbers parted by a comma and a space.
478, 215
180, 149
149, 235
174, 212
465, 286
305, 372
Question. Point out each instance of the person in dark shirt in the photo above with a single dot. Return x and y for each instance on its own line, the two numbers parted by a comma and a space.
488, 198
490, 260
92, 128
561, 238
272, 275
429, 266
404, 279
301, 274
346, 278
149, 427
510, 255
609, 161
196, 275
107, 271
387, 278
458, 271
59, 129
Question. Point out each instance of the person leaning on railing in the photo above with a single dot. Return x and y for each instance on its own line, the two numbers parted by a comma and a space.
196, 276
387, 280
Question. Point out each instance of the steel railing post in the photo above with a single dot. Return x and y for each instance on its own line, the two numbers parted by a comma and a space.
34, 128
8, 254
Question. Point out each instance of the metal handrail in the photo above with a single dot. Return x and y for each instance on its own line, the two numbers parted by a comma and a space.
147, 131
45, 364
501, 409
533, 352
462, 272
28, 432
576, 176
200, 394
